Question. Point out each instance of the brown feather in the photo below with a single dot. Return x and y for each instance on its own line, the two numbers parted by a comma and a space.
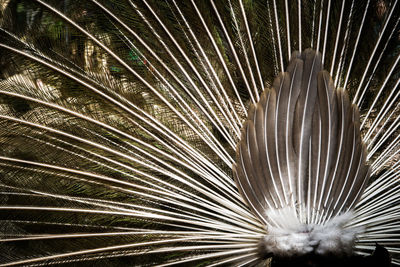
301, 146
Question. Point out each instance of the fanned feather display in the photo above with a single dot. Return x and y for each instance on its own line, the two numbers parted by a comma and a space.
120, 121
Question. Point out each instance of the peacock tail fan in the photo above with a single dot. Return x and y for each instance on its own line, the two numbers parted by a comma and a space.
120, 121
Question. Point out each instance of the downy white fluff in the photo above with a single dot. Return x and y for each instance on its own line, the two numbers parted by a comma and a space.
293, 238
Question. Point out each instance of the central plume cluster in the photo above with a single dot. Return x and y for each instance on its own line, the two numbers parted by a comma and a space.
301, 163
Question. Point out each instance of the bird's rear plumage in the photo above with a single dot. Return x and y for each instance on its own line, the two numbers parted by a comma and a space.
300, 162
120, 120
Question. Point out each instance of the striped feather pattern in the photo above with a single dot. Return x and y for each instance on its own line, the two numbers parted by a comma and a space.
301, 147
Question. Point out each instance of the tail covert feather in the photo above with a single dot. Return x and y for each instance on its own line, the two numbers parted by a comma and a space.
301, 159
